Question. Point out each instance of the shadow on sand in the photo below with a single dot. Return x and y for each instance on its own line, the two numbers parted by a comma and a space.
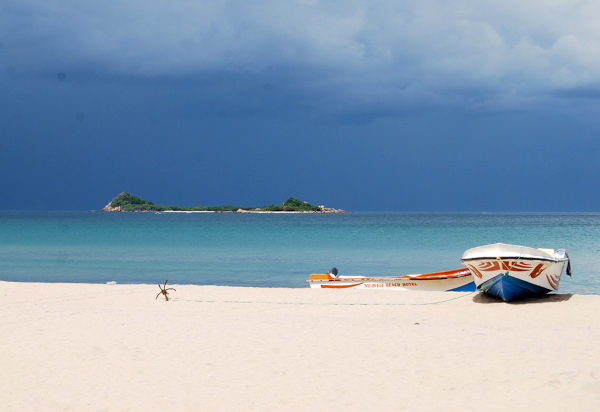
553, 297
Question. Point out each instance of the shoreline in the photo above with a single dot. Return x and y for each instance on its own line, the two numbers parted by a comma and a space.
245, 211
304, 287
77, 346
217, 211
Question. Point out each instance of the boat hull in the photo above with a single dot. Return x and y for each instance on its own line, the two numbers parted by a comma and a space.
458, 280
509, 288
510, 276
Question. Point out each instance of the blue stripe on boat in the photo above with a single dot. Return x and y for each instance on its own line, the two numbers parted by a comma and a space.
508, 288
469, 287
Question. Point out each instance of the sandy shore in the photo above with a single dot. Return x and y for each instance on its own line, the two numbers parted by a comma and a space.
78, 347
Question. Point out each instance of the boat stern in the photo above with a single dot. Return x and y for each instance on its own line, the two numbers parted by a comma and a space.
315, 280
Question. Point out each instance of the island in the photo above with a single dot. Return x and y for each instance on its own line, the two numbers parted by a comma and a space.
126, 202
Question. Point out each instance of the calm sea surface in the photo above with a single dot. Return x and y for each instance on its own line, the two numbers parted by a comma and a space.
275, 250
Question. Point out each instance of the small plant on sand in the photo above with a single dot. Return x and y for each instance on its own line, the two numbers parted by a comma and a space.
163, 290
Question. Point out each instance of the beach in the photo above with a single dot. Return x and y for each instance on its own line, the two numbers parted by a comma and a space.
101, 347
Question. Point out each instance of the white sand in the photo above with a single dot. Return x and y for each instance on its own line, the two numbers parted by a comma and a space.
80, 347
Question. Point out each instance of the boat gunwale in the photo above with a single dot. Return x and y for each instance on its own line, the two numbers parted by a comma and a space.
512, 257
390, 278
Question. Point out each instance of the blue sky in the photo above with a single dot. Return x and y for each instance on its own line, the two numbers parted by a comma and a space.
362, 105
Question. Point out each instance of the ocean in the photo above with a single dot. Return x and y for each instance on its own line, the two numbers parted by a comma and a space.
276, 250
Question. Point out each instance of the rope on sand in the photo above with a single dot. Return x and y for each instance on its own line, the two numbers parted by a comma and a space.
323, 304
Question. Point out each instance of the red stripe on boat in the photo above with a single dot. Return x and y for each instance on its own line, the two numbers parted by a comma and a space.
537, 271
339, 286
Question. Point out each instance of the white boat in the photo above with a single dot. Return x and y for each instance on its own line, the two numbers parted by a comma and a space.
457, 280
512, 272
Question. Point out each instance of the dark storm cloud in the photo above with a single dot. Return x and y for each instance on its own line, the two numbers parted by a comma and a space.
379, 55
363, 105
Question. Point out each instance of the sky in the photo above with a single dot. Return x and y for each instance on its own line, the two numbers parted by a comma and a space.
420, 105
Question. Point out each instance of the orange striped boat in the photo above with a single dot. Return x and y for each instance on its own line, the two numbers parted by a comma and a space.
456, 280
512, 272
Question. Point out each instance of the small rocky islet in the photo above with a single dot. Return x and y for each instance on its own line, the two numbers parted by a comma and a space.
126, 202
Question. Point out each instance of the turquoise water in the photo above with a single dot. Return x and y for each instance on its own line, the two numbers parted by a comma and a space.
274, 250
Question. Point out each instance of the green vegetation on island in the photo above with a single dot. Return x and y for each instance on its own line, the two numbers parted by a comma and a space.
126, 202
292, 205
